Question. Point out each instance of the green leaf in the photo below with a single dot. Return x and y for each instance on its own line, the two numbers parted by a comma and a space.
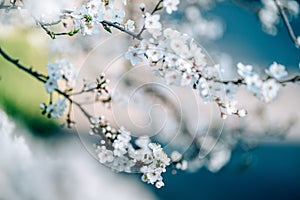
52, 35
107, 29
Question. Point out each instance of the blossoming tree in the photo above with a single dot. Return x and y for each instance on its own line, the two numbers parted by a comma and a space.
172, 55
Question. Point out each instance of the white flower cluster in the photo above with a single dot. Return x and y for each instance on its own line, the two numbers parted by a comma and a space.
265, 90
88, 17
269, 14
156, 162
171, 5
55, 110
182, 62
60, 70
117, 152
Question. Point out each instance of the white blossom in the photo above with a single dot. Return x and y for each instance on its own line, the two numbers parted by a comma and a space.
244, 70
159, 184
173, 78
231, 107
152, 24
277, 71
117, 15
57, 109
134, 55
51, 85
154, 54
105, 155
253, 83
130, 25
170, 5
270, 89
242, 113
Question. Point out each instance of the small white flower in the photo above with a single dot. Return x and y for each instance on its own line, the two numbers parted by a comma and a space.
173, 78
154, 54
269, 90
117, 15
152, 23
154, 175
198, 55
171, 59
242, 113
178, 46
142, 142
244, 70
159, 184
130, 25
277, 71
171, 5
134, 55
86, 18
186, 79
253, 83
57, 109
54, 70
93, 4
231, 107
105, 155
51, 85
67, 70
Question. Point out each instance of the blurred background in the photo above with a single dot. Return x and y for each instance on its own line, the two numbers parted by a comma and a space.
41, 160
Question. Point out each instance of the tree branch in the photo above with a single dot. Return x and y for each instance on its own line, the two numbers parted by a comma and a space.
287, 23
42, 79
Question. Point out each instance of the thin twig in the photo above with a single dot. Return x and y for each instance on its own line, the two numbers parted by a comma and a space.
287, 23
108, 23
50, 33
156, 8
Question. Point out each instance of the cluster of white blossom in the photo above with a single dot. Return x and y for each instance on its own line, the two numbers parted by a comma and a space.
116, 151
55, 110
89, 16
171, 5
181, 62
178, 59
269, 14
265, 90
60, 70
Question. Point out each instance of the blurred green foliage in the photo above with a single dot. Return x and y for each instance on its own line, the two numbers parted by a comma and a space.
21, 94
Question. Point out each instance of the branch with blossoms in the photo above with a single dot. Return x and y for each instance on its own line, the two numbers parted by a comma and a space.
173, 56
114, 149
